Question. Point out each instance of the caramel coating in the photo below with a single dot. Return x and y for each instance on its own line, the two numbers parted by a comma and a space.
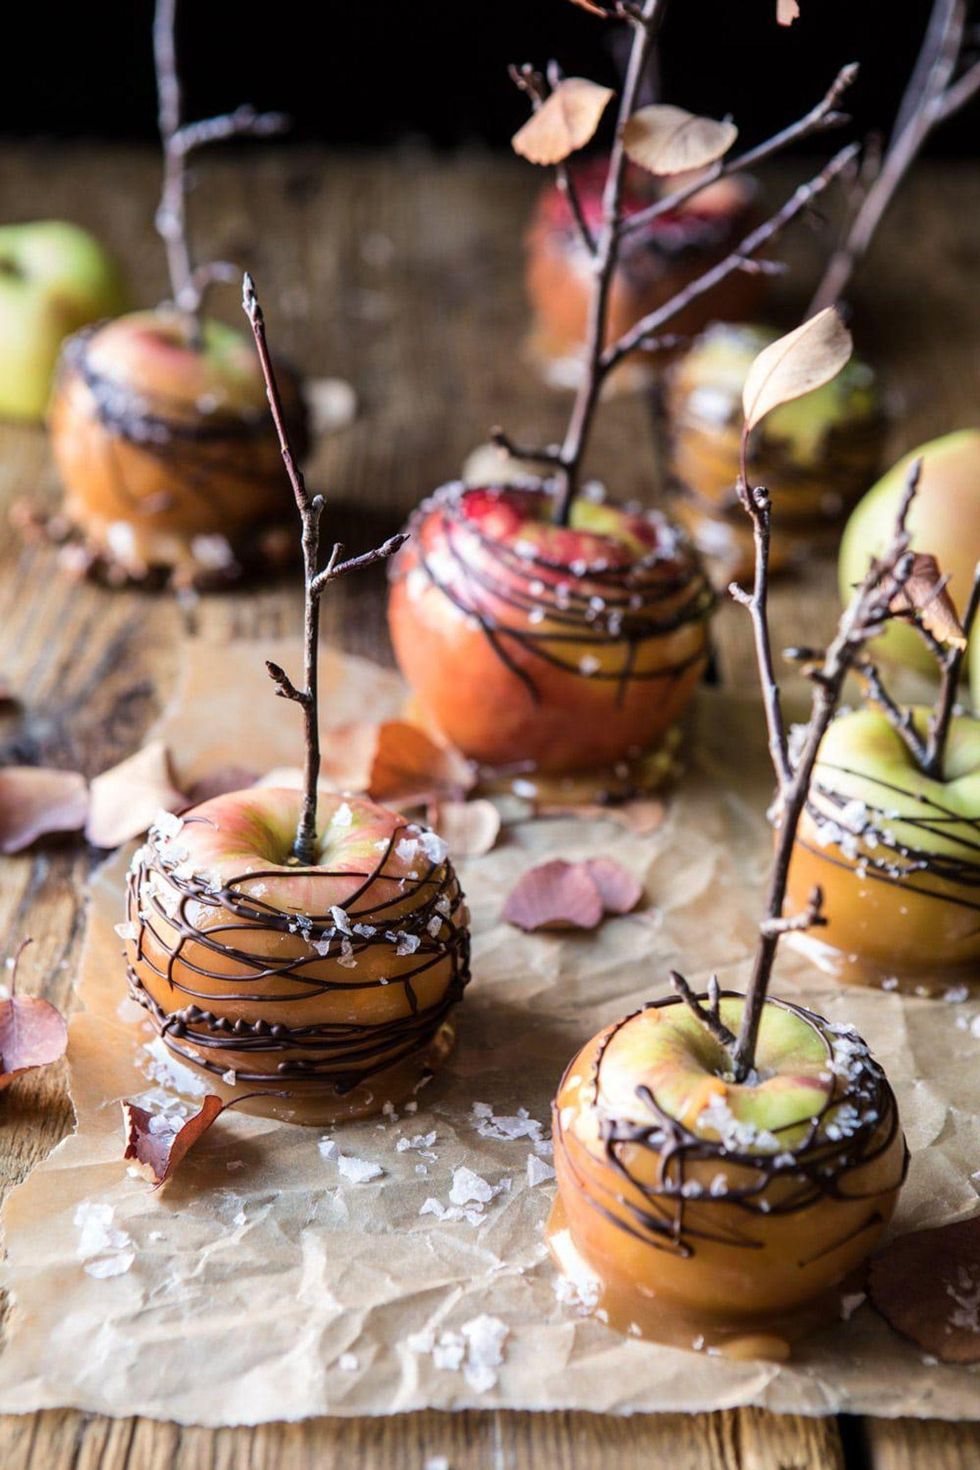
520, 657
331, 985
166, 449
739, 1231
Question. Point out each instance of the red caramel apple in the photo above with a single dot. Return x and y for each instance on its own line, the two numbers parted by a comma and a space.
326, 989
816, 455
706, 1207
656, 261
566, 647
896, 853
165, 446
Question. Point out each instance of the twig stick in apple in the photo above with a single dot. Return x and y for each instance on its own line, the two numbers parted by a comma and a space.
188, 283
951, 666
933, 94
315, 580
574, 118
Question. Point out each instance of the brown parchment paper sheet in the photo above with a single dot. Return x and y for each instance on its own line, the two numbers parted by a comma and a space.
258, 1268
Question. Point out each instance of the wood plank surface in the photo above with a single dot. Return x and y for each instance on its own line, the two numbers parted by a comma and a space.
402, 273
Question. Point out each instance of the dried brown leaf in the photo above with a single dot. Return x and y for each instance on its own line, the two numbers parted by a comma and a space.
409, 767
619, 890
787, 11
565, 122
159, 1149
605, 11
925, 596
669, 140
126, 799
555, 895
219, 782
33, 1032
641, 817
35, 800
798, 363
469, 828
927, 1286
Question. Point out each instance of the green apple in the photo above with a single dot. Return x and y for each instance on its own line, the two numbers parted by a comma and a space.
688, 1073
54, 278
944, 520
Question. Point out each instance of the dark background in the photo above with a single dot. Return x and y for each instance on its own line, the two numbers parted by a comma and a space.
381, 71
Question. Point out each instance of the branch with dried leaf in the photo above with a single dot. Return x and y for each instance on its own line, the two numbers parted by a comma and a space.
315, 580
665, 141
189, 283
935, 91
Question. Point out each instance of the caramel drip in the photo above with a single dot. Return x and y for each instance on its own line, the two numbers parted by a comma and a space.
818, 1169
630, 598
351, 1052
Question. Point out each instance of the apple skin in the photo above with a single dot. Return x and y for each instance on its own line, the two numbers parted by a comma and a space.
815, 455
885, 925
730, 1268
162, 443
944, 519
655, 262
252, 831
584, 711
54, 278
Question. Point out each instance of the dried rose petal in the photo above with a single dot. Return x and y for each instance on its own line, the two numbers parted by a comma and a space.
564, 122
642, 816
927, 1286
555, 895
469, 828
925, 593
35, 800
619, 890
158, 1150
125, 799
33, 1032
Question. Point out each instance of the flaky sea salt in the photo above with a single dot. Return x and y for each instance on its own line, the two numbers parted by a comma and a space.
347, 1362
343, 816
435, 847
468, 1187
358, 1171
105, 1249
538, 1171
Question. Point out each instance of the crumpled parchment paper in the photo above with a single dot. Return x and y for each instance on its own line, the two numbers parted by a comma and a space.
264, 1284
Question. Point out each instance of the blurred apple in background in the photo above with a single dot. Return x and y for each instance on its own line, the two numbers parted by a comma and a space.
54, 278
944, 519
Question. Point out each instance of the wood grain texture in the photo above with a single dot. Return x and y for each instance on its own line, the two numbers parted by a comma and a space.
401, 273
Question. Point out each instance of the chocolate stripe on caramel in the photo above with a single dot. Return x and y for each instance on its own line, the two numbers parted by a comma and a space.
650, 599
347, 1053
817, 1167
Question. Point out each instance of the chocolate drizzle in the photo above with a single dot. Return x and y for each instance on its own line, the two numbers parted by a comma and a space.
871, 847
857, 1125
171, 910
586, 606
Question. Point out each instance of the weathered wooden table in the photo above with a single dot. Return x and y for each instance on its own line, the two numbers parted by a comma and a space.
403, 274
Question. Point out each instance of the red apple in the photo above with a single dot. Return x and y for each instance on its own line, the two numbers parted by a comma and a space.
333, 984
569, 648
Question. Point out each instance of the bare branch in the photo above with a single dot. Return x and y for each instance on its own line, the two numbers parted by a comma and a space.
709, 1018
532, 84
901, 719
333, 570
812, 917
285, 687
547, 454
244, 122
952, 667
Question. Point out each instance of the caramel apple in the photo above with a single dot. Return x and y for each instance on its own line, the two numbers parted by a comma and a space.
563, 647
163, 441
717, 1212
324, 989
725, 1161
895, 852
656, 261
816, 455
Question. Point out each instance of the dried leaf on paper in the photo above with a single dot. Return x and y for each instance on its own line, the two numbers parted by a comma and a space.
125, 799
619, 890
36, 800
555, 895
927, 1286
642, 816
219, 782
159, 1143
469, 828
926, 597
796, 364
564, 122
408, 765
669, 140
